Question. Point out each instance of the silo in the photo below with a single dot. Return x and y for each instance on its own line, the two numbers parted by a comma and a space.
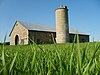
62, 27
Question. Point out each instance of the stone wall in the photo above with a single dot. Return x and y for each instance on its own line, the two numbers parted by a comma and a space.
41, 37
21, 32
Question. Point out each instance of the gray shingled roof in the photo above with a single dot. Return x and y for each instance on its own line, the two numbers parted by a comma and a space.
39, 27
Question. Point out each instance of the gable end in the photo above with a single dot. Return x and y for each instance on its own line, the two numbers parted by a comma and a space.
14, 26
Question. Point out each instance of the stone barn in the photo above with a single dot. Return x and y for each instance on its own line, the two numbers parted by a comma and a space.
26, 33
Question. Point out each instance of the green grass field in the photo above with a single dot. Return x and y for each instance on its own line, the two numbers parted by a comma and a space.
50, 59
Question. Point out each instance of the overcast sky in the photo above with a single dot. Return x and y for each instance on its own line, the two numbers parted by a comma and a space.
84, 15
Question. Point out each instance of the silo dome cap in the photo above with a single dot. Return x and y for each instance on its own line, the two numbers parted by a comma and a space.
61, 6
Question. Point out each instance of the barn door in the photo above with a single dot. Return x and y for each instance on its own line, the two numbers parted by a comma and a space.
16, 40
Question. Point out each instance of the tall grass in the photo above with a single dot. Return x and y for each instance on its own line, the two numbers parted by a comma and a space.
51, 59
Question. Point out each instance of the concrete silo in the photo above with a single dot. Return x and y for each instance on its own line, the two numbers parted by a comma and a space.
62, 27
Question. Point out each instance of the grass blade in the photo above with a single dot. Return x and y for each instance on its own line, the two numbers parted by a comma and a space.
90, 62
78, 56
71, 61
33, 60
4, 67
3, 62
12, 64
25, 62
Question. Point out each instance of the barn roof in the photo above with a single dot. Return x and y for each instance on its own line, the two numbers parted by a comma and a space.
47, 28
37, 27
40, 27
